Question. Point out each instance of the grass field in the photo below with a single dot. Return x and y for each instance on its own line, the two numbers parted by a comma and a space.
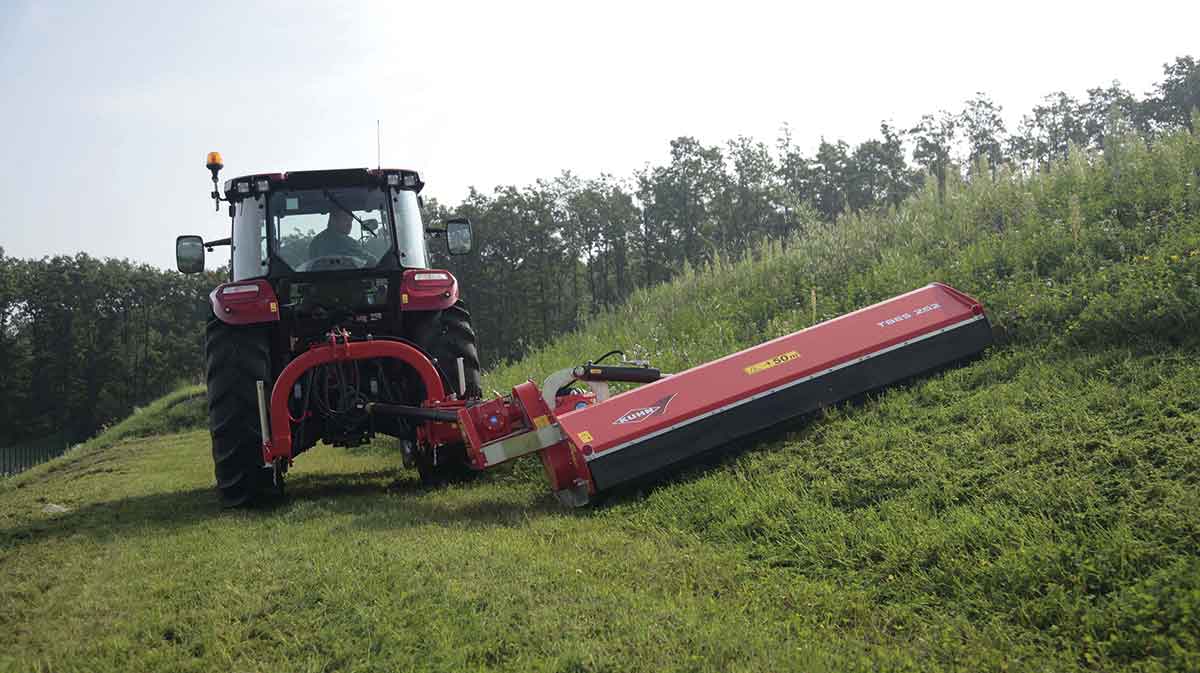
1035, 510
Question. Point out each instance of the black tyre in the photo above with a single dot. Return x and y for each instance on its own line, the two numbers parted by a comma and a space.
235, 358
444, 465
447, 336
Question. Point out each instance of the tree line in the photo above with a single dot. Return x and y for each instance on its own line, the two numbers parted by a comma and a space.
555, 252
83, 341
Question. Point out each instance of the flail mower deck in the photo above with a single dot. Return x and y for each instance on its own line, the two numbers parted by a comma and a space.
590, 442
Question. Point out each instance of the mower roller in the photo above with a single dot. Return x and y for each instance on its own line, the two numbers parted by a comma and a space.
590, 443
333, 328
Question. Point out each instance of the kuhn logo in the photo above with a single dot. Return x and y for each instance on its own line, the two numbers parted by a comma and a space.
638, 415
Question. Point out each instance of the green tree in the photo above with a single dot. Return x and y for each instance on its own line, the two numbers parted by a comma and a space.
84, 340
605, 216
795, 179
1106, 105
831, 177
878, 174
934, 138
1177, 97
677, 200
983, 129
749, 209
1049, 131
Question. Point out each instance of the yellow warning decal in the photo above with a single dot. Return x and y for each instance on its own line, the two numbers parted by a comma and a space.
773, 362
274, 307
541, 422
403, 297
585, 436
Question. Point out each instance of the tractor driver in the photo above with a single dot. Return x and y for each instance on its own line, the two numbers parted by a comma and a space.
335, 241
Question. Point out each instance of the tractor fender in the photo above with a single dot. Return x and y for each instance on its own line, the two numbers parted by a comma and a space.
247, 302
428, 290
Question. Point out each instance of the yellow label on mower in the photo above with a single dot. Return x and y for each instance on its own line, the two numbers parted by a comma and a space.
773, 362
585, 436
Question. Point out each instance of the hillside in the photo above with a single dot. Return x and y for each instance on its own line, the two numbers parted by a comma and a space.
1034, 510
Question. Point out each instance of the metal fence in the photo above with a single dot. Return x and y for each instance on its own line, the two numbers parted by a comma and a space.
15, 459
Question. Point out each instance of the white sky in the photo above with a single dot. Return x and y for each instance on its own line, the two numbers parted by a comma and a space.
109, 108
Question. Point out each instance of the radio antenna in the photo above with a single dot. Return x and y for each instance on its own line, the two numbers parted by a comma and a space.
378, 147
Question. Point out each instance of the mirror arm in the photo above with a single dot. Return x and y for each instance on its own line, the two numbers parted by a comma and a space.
220, 241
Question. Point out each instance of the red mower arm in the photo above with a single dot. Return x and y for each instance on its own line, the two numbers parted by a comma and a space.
279, 445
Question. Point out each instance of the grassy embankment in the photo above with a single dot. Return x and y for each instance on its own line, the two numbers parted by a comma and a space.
1034, 510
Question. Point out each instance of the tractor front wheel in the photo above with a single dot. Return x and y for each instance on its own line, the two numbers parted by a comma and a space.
235, 359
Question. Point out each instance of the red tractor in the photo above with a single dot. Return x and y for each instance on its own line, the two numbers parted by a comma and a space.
330, 256
333, 328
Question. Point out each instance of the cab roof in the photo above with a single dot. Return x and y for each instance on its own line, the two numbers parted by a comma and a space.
258, 183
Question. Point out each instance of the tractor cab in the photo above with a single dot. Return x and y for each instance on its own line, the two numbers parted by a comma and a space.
307, 222
332, 244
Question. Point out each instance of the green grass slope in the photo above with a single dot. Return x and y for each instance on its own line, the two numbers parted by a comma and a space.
1035, 510
184, 408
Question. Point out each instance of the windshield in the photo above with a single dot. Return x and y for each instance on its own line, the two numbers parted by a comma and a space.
331, 229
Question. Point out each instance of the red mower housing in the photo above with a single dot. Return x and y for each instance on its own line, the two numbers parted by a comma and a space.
590, 443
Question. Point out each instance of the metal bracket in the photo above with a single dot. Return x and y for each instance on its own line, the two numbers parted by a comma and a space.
555, 381
520, 445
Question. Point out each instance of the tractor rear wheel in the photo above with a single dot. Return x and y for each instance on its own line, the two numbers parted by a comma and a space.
235, 359
447, 336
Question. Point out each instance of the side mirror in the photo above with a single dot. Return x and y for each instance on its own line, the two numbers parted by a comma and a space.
189, 254
458, 236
